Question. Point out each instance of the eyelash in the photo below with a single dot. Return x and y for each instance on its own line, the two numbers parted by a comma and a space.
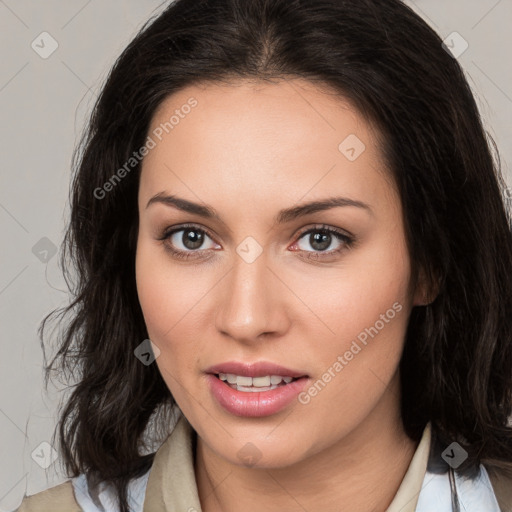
347, 240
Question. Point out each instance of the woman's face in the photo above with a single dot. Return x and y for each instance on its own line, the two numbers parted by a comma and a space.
263, 283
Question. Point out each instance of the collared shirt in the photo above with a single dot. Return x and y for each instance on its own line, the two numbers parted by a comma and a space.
170, 484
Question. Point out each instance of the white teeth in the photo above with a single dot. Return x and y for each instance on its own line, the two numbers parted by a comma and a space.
255, 389
260, 382
243, 381
254, 383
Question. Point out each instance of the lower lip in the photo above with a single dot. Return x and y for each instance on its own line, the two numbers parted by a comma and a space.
254, 404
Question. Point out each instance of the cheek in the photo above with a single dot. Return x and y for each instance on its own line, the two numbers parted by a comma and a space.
173, 306
162, 294
166, 292
366, 287
151, 286
164, 306
366, 309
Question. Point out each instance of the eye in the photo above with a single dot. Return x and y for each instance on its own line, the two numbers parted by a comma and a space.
320, 238
185, 241
188, 241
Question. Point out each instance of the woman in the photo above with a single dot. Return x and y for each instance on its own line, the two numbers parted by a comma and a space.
290, 237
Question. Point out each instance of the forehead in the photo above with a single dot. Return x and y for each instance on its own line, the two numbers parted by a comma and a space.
262, 109
290, 137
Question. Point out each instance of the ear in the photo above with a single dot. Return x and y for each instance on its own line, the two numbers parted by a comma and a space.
427, 289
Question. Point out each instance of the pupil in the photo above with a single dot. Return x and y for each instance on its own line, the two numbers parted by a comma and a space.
324, 239
192, 239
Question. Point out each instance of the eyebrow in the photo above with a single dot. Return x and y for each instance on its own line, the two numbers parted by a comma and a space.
284, 216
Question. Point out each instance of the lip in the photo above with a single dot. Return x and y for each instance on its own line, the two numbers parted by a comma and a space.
254, 404
256, 369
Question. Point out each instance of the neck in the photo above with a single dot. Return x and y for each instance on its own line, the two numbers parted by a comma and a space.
362, 471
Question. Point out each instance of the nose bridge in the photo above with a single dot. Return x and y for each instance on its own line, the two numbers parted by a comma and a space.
249, 302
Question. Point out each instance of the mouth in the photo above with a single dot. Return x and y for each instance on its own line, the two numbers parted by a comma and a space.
254, 389
254, 384
254, 377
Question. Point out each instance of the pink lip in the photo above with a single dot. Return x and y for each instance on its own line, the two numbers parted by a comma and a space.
261, 403
258, 369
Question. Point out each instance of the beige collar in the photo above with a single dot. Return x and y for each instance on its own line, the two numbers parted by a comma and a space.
172, 484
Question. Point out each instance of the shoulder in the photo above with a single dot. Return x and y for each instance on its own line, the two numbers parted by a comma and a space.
502, 484
489, 490
74, 496
104, 498
60, 498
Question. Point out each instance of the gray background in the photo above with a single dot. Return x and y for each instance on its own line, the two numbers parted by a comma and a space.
43, 104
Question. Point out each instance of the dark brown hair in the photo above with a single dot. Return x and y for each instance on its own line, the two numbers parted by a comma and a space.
456, 368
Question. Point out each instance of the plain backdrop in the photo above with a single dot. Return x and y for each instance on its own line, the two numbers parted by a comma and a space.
44, 100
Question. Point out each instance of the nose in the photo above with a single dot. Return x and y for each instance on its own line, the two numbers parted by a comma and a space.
252, 301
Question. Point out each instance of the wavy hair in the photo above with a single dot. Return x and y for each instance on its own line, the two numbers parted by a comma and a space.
456, 367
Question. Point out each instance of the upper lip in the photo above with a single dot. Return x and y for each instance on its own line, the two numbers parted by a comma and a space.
257, 369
